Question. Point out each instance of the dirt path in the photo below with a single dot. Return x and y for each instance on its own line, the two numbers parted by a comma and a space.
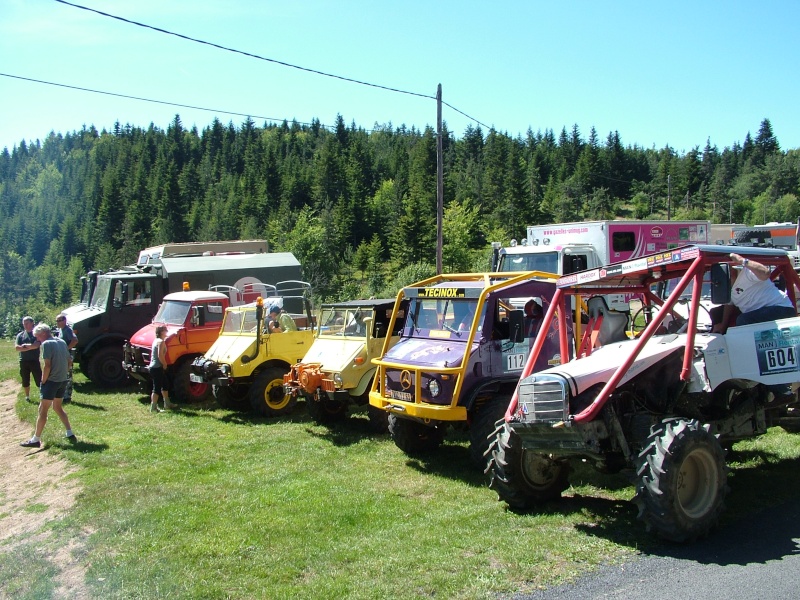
34, 477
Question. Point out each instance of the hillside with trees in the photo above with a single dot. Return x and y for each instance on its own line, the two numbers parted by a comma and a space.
356, 206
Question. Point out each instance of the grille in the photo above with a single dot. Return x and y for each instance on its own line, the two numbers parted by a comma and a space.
542, 400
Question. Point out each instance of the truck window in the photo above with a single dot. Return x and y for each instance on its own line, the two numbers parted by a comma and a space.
530, 261
172, 313
100, 295
139, 293
213, 312
574, 263
623, 241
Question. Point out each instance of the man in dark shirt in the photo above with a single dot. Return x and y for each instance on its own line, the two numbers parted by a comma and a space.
28, 347
65, 333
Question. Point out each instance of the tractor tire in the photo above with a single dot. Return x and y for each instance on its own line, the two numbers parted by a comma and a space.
327, 410
482, 427
105, 367
233, 397
183, 388
413, 437
378, 419
266, 394
520, 477
681, 480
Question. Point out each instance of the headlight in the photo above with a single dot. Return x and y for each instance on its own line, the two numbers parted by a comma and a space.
337, 380
433, 388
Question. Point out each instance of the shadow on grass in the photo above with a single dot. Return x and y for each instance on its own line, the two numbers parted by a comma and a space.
83, 447
346, 432
74, 402
452, 462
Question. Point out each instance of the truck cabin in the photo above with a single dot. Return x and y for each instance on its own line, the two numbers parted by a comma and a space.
356, 317
442, 310
688, 265
292, 296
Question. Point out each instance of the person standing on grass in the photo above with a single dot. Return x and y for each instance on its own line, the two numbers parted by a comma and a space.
54, 381
28, 348
158, 370
66, 334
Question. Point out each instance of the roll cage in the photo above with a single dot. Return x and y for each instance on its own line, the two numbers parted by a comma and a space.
640, 276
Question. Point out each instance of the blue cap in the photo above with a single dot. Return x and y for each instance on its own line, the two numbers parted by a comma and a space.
274, 309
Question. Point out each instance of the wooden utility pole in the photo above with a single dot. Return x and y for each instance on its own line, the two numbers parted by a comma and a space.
669, 194
439, 180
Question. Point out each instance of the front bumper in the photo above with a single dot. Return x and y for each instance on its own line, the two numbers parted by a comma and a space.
207, 371
135, 363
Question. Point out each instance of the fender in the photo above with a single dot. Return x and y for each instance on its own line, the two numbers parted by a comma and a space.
500, 382
364, 383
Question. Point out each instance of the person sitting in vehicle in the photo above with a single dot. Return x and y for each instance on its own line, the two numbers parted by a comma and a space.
280, 320
465, 312
533, 318
356, 325
758, 300
754, 294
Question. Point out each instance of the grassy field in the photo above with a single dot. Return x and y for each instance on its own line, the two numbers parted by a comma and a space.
210, 503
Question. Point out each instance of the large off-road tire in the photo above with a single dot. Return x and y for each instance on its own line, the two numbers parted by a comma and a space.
682, 480
413, 437
520, 477
105, 367
266, 394
234, 397
378, 419
183, 388
482, 427
326, 410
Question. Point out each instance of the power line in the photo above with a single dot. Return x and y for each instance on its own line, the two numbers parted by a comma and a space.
243, 53
272, 60
216, 110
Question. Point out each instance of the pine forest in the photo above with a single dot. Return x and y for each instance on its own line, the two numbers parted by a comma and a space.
357, 207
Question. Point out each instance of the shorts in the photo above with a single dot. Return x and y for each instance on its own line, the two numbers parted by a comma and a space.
51, 390
28, 368
160, 380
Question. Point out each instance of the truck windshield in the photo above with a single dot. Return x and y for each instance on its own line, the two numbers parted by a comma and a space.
172, 313
100, 296
344, 321
240, 321
429, 317
529, 261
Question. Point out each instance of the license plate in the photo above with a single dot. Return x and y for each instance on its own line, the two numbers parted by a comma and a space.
194, 378
404, 396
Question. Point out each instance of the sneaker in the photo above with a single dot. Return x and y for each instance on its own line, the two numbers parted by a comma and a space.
31, 444
155, 409
27, 398
72, 438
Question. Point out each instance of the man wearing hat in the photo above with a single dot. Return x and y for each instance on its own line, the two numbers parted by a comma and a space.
280, 320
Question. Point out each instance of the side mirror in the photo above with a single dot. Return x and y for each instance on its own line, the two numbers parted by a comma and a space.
367, 325
196, 316
720, 283
516, 323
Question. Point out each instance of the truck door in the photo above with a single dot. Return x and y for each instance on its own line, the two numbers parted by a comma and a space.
133, 306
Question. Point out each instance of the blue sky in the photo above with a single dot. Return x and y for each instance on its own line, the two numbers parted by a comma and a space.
672, 73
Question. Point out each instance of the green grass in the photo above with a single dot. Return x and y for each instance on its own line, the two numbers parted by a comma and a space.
210, 503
